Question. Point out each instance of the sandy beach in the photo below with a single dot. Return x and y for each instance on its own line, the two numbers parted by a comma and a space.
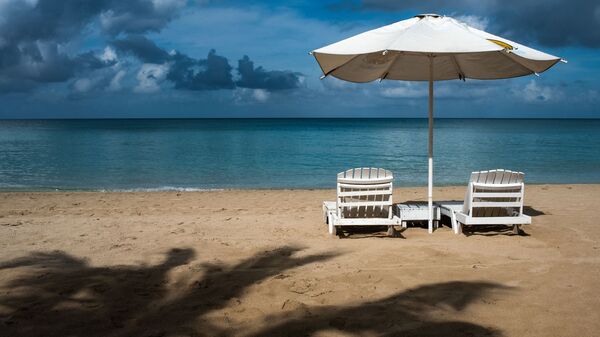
261, 263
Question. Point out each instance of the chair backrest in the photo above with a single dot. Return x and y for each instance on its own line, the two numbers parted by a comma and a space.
495, 193
364, 193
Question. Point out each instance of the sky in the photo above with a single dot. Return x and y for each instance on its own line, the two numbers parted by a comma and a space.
211, 58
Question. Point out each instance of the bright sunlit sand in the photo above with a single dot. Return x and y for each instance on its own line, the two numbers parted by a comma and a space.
260, 263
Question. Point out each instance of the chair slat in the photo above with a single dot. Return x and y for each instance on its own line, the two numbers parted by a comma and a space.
364, 193
362, 186
497, 195
495, 204
365, 203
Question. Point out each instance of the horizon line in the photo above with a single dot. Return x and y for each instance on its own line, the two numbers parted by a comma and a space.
228, 118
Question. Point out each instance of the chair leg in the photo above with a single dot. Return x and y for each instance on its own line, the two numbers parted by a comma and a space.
331, 225
516, 229
455, 224
391, 232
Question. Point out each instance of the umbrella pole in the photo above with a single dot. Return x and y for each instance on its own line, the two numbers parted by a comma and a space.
430, 157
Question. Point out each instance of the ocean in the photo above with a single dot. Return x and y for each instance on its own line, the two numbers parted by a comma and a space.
201, 154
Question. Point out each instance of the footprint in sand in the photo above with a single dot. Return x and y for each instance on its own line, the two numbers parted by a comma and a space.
296, 306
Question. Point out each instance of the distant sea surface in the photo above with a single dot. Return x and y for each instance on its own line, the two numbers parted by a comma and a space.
184, 154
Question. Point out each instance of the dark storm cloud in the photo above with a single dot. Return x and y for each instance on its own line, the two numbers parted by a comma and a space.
212, 73
51, 20
138, 16
25, 66
550, 22
258, 78
33, 35
36, 36
142, 48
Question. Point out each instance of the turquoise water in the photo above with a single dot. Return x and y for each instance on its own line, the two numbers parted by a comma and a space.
286, 153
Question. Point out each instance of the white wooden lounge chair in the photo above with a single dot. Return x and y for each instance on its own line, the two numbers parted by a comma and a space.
364, 197
493, 197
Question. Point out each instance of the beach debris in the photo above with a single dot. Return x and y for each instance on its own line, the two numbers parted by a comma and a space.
13, 224
281, 276
321, 293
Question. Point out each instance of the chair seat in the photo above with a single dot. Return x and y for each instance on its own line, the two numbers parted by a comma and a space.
329, 208
452, 205
365, 221
493, 220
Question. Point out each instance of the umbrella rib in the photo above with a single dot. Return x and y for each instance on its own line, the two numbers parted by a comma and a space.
387, 70
461, 74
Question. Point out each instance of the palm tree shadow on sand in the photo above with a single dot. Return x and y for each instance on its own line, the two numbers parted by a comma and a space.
57, 294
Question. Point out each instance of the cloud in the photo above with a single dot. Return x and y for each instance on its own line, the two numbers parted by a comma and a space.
142, 48
27, 65
261, 95
83, 85
108, 55
150, 76
550, 22
139, 16
212, 73
115, 82
259, 78
474, 21
36, 35
532, 92
50, 20
405, 90
106, 76
472, 90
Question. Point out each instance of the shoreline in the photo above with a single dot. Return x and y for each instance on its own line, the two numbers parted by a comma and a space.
194, 189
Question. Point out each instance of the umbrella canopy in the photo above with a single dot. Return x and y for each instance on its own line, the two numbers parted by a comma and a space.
429, 47
402, 51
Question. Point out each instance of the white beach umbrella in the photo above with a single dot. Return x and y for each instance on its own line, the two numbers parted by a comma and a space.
429, 47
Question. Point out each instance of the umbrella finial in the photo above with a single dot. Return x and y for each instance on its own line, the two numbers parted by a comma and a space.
421, 16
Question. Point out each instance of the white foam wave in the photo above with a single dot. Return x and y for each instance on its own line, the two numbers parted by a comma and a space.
162, 189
